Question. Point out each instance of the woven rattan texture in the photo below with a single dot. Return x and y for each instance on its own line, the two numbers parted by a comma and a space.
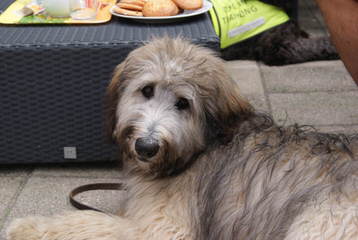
49, 103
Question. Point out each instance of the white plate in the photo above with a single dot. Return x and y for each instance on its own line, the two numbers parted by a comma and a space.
187, 13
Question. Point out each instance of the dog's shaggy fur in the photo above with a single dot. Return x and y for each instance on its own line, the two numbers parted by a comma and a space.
201, 164
284, 44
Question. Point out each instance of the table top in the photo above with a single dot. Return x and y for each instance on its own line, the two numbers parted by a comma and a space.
198, 29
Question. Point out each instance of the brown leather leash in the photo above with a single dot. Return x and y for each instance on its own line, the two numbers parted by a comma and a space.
91, 187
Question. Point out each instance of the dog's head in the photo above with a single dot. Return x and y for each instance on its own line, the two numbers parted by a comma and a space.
167, 102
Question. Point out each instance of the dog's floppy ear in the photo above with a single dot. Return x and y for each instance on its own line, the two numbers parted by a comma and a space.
111, 100
231, 105
225, 108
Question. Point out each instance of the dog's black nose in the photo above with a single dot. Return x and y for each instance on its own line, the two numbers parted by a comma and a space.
146, 147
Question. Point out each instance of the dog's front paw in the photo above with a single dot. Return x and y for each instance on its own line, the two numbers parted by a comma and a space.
31, 228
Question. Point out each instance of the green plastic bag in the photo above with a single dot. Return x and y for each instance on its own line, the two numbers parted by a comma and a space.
237, 20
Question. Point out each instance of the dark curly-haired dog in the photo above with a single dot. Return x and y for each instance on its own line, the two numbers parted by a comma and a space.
283, 44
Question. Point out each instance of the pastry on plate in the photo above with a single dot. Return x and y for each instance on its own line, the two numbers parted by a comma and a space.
159, 8
189, 4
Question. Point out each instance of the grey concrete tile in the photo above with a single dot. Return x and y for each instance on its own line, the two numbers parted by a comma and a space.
316, 31
96, 170
310, 8
318, 15
248, 77
48, 196
9, 186
349, 129
310, 19
248, 64
320, 108
306, 3
308, 13
258, 102
308, 77
15, 170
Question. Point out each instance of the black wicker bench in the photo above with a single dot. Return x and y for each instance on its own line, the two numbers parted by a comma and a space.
53, 79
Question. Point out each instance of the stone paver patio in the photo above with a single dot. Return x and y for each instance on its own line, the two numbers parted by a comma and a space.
321, 94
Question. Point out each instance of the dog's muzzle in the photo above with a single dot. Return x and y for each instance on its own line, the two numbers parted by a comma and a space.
146, 147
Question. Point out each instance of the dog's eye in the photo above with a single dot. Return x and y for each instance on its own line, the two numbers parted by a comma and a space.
148, 91
182, 104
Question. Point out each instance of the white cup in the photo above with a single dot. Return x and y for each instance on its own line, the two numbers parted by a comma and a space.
83, 9
57, 8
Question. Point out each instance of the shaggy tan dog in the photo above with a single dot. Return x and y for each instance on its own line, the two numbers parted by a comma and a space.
201, 164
